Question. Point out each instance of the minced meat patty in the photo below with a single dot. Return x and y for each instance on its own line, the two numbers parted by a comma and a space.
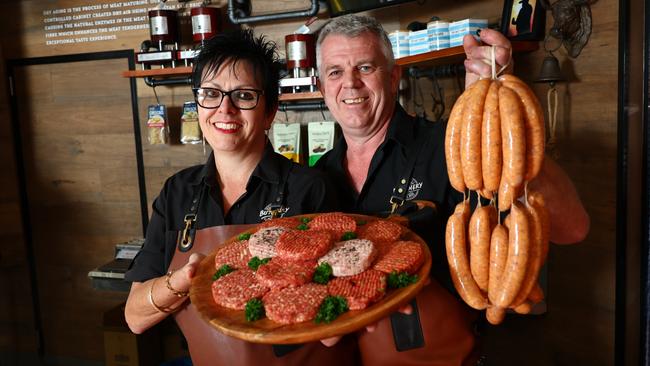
336, 222
350, 257
359, 290
303, 245
280, 273
236, 255
403, 256
380, 230
294, 304
236, 288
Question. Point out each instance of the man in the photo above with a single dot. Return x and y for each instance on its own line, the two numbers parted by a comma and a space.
384, 149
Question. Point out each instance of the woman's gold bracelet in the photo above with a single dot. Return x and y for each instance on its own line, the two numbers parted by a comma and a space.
155, 306
173, 290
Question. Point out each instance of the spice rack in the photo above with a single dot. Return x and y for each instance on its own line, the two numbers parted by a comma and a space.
429, 59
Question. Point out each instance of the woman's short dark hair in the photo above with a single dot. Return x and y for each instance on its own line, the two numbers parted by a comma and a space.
236, 46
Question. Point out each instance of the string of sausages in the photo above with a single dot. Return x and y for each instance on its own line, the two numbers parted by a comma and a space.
494, 145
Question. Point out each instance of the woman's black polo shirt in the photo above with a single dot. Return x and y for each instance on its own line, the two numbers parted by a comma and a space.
306, 191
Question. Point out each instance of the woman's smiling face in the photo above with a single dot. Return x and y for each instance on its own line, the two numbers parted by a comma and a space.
228, 128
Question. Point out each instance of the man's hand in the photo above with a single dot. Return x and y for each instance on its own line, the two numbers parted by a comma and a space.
479, 55
329, 342
406, 309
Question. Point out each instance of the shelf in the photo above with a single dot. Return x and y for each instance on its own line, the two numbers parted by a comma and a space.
441, 57
455, 55
290, 97
168, 71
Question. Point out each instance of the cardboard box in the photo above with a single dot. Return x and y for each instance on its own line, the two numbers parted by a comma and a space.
123, 348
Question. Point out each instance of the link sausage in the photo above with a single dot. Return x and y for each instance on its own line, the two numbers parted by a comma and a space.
498, 256
470, 138
491, 158
534, 121
452, 144
518, 251
513, 137
535, 255
495, 315
458, 259
481, 224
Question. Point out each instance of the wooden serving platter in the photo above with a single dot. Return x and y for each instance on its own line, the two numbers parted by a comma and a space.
233, 322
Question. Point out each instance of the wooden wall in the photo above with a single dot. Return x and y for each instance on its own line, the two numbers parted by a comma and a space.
578, 328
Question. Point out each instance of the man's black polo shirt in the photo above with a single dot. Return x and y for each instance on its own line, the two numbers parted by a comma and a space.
306, 191
406, 136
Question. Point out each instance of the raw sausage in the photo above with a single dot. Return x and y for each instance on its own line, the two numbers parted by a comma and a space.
452, 144
498, 256
470, 137
534, 121
518, 252
491, 159
513, 137
535, 255
507, 194
458, 259
480, 229
536, 200
495, 315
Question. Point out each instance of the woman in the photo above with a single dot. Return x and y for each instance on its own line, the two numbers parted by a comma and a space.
243, 182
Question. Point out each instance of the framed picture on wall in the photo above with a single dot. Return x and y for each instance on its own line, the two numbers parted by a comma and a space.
523, 20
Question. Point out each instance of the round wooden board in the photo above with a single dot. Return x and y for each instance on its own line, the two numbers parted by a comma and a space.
233, 322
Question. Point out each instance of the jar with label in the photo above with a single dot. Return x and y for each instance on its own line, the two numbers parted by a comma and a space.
190, 130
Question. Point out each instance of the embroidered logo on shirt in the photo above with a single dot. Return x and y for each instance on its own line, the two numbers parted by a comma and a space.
414, 189
266, 213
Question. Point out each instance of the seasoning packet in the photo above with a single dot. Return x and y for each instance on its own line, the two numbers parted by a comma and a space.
320, 139
157, 128
190, 131
286, 140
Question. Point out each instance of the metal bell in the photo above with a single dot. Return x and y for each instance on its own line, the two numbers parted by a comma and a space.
550, 71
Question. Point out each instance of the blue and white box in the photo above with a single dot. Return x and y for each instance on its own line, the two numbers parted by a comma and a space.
399, 40
462, 27
418, 42
438, 32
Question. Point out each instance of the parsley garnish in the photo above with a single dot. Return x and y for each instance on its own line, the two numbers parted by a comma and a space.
244, 236
254, 309
323, 273
331, 308
255, 263
348, 235
222, 271
402, 279
305, 220
302, 227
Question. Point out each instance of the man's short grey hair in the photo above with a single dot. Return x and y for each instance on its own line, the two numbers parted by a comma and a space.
353, 25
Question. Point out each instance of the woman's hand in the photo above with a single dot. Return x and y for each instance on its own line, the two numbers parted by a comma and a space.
479, 55
140, 311
181, 279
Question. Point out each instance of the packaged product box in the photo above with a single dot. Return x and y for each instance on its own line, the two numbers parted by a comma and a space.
190, 131
438, 33
418, 42
320, 139
400, 43
286, 140
157, 128
457, 30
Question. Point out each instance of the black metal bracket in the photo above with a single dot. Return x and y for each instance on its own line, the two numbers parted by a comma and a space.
237, 16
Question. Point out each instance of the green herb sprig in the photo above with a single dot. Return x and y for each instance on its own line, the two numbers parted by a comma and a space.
399, 280
305, 220
254, 309
255, 262
349, 235
244, 236
331, 308
323, 273
222, 271
302, 226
